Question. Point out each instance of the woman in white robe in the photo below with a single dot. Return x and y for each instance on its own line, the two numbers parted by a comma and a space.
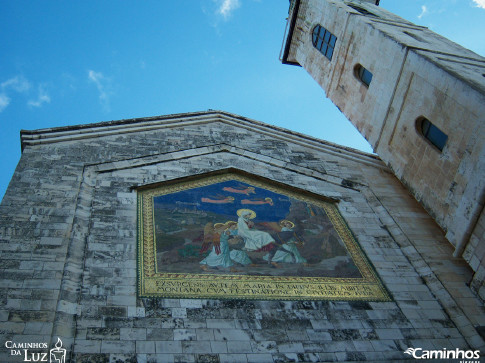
253, 239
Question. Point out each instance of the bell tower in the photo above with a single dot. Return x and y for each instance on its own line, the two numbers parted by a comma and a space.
417, 97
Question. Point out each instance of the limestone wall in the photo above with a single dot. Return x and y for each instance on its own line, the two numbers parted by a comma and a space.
448, 183
68, 242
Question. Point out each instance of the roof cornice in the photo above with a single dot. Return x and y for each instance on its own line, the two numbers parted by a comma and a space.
294, 8
31, 138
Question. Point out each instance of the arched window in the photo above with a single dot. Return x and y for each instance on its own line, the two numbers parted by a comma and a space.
431, 133
324, 41
363, 74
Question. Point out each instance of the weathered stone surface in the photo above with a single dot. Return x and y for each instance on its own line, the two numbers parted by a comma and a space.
89, 290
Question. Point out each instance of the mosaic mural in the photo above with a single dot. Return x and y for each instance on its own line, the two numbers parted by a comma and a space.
233, 236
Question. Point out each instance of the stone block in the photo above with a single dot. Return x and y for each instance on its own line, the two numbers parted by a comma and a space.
31, 316
233, 358
113, 346
159, 334
231, 334
220, 323
184, 334
218, 347
205, 334
196, 347
194, 324
87, 346
145, 347
169, 346
266, 346
191, 303
123, 300
133, 334
179, 312
134, 311
384, 345
112, 311
389, 334
235, 346
92, 358
259, 358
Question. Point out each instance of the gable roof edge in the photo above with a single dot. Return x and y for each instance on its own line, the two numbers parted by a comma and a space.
109, 128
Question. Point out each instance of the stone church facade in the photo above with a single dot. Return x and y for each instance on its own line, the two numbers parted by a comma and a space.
68, 239
68, 232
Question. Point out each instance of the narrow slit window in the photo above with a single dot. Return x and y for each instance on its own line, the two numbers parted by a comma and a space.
324, 41
363, 74
432, 133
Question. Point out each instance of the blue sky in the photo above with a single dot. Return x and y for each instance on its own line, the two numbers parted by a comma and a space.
66, 63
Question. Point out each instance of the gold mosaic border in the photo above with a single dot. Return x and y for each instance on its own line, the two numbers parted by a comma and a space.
193, 285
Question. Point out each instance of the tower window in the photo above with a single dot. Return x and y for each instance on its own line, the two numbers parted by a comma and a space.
432, 133
324, 41
363, 74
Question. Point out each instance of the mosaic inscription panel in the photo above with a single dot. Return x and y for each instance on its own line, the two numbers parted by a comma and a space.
234, 236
